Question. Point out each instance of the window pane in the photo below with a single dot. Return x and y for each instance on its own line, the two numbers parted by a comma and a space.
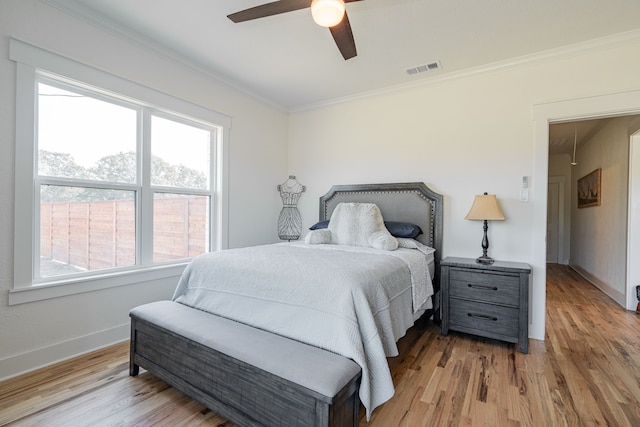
84, 137
85, 229
180, 226
180, 154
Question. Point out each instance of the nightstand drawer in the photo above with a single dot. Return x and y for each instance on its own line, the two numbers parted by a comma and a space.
484, 286
474, 316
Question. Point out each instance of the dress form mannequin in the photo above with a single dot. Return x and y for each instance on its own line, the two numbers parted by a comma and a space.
290, 221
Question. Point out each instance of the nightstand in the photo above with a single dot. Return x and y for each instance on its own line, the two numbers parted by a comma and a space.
486, 300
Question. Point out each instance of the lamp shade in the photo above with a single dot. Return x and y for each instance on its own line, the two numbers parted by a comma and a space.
485, 207
327, 13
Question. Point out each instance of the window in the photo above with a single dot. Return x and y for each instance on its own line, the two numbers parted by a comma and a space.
87, 181
91, 177
110, 183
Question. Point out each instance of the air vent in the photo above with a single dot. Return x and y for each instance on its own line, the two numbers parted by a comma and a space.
433, 66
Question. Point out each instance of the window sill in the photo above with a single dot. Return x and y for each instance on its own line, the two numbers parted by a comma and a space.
89, 284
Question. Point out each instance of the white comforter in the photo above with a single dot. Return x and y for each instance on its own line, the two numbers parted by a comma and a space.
353, 301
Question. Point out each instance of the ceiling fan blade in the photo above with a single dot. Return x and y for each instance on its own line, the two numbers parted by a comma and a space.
269, 9
344, 38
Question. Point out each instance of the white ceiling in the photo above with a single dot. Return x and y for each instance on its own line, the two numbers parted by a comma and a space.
290, 62
563, 136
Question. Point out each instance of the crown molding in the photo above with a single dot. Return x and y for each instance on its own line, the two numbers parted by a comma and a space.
81, 12
572, 50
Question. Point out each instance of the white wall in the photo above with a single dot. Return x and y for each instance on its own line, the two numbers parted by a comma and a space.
39, 333
599, 233
461, 137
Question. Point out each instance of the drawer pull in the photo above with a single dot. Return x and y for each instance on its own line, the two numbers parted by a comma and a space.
483, 316
488, 288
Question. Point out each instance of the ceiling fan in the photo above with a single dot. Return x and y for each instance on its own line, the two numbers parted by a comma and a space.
327, 13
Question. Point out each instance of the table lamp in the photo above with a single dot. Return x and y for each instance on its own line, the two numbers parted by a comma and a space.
485, 208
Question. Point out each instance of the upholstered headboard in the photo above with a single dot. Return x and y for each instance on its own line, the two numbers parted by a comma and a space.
412, 202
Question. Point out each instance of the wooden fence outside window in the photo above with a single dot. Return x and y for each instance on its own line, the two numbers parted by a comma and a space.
98, 235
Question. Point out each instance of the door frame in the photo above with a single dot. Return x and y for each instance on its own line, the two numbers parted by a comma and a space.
614, 104
633, 222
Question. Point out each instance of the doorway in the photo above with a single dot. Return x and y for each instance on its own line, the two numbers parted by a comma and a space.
602, 238
615, 104
599, 234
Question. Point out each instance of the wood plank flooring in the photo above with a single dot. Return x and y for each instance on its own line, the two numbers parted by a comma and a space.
585, 373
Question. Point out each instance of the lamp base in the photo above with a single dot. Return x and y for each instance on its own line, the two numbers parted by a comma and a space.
485, 260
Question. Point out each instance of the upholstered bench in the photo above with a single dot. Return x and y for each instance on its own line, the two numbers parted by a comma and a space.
248, 375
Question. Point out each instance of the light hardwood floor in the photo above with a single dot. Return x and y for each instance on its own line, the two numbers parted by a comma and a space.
586, 372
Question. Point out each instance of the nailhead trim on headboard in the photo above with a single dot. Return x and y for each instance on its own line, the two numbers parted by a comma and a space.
359, 192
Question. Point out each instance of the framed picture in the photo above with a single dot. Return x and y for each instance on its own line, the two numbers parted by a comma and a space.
589, 189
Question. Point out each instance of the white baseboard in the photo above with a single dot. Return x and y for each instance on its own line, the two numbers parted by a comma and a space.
19, 364
536, 331
615, 295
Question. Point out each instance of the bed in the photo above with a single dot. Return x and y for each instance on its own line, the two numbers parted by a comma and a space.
319, 292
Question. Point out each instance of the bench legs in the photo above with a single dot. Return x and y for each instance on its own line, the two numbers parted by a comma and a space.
134, 369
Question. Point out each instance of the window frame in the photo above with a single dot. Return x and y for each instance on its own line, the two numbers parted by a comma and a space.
159, 189
33, 65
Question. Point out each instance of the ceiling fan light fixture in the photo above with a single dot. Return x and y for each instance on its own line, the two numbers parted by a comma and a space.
327, 13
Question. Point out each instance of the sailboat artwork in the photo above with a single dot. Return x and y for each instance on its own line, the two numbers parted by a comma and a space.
589, 189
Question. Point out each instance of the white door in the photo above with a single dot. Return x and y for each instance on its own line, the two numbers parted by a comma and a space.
553, 221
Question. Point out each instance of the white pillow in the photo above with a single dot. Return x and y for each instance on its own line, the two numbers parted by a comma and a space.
355, 224
405, 242
384, 241
318, 237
